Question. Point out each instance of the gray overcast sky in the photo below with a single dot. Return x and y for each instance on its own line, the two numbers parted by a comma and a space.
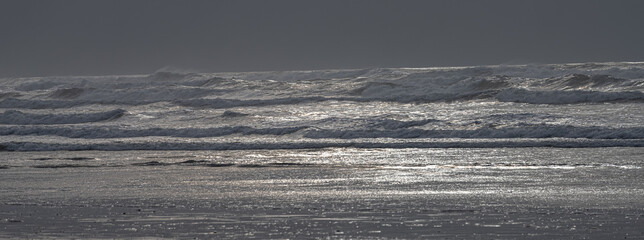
94, 37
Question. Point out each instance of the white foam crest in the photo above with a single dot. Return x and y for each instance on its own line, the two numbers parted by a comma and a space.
231, 103
551, 84
562, 84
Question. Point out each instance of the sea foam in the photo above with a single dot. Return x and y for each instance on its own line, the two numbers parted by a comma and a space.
561, 105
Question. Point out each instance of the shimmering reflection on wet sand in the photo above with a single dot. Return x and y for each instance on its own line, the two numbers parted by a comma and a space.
345, 193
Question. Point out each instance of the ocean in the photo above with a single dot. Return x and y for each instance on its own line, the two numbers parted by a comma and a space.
488, 152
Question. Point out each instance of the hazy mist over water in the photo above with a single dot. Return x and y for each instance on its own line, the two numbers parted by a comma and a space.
44, 38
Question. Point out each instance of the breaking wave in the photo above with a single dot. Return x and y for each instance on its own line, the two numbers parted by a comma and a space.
232, 103
52, 104
16, 117
543, 84
562, 105
566, 97
67, 93
106, 132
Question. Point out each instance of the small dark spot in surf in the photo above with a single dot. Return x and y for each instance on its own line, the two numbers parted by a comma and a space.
279, 164
192, 162
251, 166
219, 165
118, 113
229, 113
458, 211
3, 147
70, 158
172, 157
287, 164
369, 86
67, 93
79, 158
65, 166
150, 163
4, 167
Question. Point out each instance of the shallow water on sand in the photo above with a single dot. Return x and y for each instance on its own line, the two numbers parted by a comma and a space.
505, 193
